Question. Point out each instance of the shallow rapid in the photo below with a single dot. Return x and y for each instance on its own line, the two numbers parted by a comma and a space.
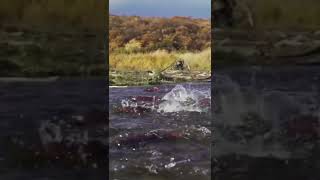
160, 133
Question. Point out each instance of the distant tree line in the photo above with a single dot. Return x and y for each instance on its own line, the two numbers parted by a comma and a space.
134, 33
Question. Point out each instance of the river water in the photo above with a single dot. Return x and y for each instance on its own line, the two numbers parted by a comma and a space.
266, 123
163, 133
27, 106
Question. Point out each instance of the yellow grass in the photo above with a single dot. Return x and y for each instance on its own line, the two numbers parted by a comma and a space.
287, 14
198, 61
88, 14
158, 60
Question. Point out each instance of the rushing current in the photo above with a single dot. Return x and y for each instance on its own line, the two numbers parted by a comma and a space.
49, 129
266, 123
160, 132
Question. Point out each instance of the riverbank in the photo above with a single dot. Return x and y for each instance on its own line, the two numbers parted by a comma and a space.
159, 60
273, 47
157, 67
30, 52
144, 78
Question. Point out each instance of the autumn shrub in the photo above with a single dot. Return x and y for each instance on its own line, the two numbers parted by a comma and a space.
153, 33
133, 46
154, 43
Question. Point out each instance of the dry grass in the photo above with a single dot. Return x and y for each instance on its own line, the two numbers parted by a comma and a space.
158, 60
287, 14
88, 14
198, 61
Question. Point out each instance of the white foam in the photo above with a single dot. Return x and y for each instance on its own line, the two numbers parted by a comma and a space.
183, 99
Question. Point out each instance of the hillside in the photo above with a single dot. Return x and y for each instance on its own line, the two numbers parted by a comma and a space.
149, 34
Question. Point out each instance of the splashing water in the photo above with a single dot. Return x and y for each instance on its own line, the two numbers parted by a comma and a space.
184, 99
50, 132
271, 109
166, 138
128, 103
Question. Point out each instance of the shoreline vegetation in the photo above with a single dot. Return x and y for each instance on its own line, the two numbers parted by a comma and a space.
264, 32
52, 38
142, 48
159, 60
286, 15
147, 68
59, 38
34, 53
55, 15
273, 47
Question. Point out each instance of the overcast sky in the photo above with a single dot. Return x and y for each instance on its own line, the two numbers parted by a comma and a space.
164, 8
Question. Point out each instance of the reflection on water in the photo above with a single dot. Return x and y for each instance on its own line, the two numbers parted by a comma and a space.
162, 133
